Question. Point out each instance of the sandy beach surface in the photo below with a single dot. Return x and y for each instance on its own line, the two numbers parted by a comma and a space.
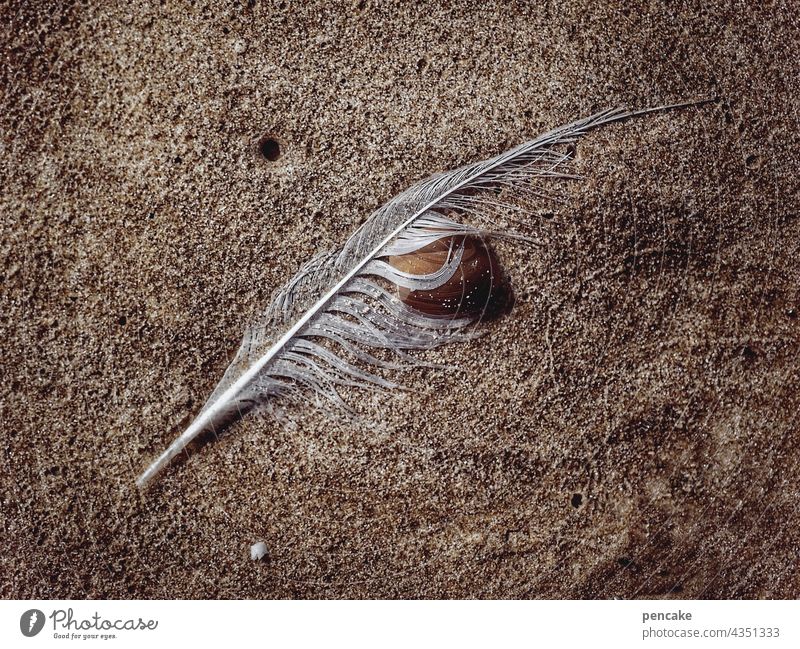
629, 430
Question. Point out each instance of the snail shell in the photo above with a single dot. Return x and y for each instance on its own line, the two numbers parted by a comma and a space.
479, 286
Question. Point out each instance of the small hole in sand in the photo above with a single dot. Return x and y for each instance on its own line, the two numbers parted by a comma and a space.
122, 321
577, 500
269, 149
752, 161
748, 354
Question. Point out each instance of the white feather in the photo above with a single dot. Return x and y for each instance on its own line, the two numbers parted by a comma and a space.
338, 297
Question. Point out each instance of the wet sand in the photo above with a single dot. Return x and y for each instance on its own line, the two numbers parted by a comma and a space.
629, 430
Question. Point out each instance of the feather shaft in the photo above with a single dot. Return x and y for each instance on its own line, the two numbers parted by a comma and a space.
218, 412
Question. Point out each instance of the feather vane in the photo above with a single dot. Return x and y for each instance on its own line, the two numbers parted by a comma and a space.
326, 325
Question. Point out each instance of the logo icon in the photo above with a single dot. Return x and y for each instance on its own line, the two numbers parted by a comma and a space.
31, 622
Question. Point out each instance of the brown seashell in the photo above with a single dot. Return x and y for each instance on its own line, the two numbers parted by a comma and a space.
479, 285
